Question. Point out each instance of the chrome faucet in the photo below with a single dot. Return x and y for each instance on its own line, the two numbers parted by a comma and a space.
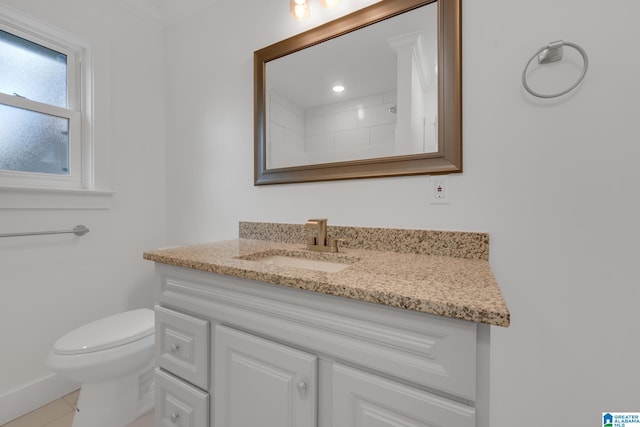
320, 242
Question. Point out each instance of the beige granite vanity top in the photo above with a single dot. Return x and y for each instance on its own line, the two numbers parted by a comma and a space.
452, 286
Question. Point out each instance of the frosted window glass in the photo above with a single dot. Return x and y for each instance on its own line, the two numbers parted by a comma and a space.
33, 142
32, 71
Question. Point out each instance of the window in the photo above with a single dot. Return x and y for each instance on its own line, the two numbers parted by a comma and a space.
52, 83
40, 121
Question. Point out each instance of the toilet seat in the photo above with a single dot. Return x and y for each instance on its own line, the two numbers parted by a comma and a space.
107, 333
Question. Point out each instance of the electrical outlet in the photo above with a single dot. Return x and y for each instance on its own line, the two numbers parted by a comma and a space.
439, 193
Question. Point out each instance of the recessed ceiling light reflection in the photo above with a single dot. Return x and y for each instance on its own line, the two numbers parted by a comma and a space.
338, 88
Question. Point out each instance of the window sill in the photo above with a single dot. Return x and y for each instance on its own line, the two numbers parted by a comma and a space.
50, 198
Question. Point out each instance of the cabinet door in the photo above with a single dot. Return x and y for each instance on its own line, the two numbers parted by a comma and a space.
361, 399
260, 383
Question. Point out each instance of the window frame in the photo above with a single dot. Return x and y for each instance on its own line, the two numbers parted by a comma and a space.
73, 113
88, 185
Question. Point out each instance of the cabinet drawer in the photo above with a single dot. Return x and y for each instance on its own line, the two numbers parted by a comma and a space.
182, 346
179, 404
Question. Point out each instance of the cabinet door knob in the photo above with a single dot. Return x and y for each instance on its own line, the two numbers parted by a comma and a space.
174, 348
174, 417
302, 387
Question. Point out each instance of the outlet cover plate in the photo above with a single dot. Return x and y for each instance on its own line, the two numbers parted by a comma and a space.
439, 192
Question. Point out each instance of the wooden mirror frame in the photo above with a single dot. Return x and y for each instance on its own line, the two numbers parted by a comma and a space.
448, 158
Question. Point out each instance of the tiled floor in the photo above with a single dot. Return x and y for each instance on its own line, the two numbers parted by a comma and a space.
59, 413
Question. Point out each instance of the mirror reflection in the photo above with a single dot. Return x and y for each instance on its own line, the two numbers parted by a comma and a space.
368, 94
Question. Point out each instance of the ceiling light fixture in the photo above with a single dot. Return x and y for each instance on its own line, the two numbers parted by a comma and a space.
300, 8
338, 88
330, 3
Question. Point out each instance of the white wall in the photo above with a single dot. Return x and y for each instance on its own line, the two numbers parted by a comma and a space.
554, 183
361, 128
51, 284
286, 129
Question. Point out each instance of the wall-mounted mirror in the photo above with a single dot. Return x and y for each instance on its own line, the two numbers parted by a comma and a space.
375, 93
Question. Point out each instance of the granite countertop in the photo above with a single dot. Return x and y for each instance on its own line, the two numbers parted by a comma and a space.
451, 286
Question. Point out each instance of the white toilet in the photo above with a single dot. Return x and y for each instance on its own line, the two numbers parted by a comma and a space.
113, 360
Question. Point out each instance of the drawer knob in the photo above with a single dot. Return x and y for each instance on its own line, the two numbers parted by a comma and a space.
174, 417
302, 387
174, 348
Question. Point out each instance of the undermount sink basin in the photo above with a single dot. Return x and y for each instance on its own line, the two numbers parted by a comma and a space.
302, 261
307, 264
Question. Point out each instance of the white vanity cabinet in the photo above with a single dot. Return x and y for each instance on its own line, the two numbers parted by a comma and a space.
282, 357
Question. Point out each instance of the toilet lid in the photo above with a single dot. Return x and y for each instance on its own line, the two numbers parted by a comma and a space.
110, 332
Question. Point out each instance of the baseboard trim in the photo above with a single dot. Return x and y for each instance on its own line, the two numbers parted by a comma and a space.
26, 398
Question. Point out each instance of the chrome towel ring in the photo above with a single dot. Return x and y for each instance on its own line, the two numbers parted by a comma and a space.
552, 53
